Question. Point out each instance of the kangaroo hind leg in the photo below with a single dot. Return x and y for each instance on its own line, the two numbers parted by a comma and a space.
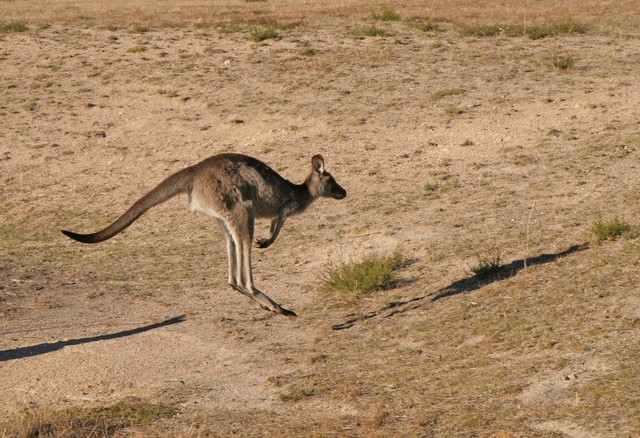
241, 236
232, 255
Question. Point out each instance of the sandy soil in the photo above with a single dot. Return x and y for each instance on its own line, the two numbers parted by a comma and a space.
521, 161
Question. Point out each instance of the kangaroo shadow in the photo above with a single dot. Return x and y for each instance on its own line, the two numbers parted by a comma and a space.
464, 285
49, 347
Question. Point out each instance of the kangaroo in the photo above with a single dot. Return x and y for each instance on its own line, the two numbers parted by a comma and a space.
234, 189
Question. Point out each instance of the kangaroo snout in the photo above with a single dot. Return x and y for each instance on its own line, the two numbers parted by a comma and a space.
340, 194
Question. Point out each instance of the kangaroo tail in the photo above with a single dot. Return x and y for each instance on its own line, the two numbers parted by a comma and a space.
179, 182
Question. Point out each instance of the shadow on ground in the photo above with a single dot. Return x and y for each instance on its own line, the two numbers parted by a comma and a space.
48, 347
464, 285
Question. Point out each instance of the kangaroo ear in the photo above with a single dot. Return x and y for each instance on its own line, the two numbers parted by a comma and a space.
318, 163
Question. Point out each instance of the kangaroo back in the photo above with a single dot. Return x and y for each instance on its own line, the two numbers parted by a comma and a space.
179, 182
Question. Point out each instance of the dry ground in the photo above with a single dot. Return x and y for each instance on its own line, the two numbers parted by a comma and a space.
452, 147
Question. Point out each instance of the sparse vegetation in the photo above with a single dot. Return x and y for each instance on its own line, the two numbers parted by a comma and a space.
373, 272
97, 422
609, 229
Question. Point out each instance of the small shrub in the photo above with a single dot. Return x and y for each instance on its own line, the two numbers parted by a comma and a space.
609, 229
13, 26
386, 14
373, 273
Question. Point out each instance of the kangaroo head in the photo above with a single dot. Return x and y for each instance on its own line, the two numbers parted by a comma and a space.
321, 183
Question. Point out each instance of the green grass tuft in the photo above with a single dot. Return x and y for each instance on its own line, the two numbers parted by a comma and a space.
609, 229
374, 272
